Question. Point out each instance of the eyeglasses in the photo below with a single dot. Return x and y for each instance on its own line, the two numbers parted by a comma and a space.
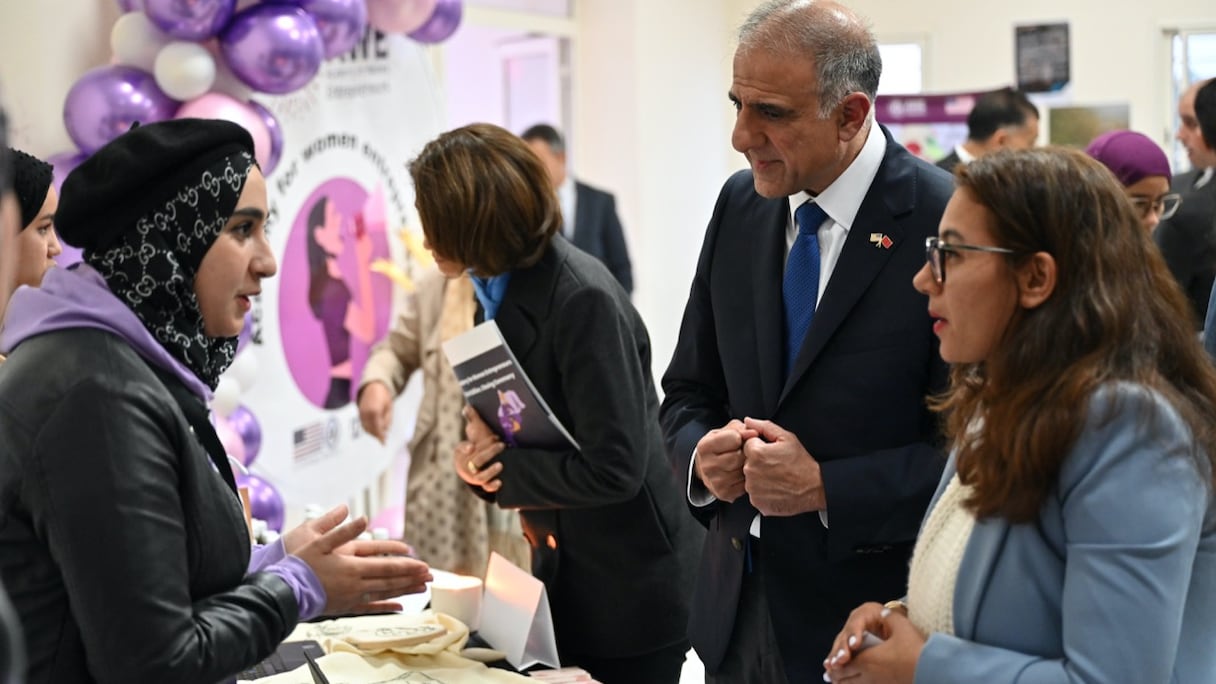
1165, 205
933, 254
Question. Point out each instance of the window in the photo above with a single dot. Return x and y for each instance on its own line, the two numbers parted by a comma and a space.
901, 68
1192, 58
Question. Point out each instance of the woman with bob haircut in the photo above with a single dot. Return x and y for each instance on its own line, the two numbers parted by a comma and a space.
1073, 536
609, 533
122, 541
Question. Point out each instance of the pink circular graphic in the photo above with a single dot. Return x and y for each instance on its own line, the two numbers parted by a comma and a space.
332, 308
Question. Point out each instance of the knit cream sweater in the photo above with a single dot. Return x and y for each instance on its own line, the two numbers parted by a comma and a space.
936, 558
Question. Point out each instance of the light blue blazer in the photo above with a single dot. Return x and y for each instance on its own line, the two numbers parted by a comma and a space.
1115, 581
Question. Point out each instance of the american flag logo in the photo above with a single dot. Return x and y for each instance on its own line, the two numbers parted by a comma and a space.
314, 439
881, 240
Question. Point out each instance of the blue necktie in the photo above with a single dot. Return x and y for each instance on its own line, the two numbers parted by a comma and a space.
801, 285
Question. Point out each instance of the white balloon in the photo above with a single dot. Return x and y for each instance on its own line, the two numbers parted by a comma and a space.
227, 396
184, 70
244, 369
136, 41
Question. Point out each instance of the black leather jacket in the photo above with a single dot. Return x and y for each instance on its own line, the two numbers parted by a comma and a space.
124, 551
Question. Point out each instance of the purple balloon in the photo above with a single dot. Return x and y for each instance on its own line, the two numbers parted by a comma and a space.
131, 5
276, 136
105, 101
442, 24
341, 22
265, 502
273, 48
190, 19
241, 419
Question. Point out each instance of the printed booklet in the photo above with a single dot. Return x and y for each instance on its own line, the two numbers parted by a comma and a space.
496, 386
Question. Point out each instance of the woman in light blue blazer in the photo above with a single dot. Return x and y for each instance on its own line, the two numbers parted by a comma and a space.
1073, 536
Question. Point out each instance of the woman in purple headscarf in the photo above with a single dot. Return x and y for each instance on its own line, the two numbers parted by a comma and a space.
1144, 171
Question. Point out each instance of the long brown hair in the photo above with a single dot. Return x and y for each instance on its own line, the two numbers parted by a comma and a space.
485, 199
1116, 314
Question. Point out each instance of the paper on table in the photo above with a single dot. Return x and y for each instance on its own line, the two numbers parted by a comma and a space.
515, 617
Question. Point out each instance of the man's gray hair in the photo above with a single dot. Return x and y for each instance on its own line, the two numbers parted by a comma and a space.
841, 44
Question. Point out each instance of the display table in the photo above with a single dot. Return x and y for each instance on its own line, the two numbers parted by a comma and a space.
379, 648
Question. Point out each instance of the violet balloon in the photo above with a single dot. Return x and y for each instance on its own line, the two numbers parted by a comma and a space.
246, 426
341, 22
265, 501
273, 48
105, 101
399, 16
190, 19
131, 5
276, 136
442, 24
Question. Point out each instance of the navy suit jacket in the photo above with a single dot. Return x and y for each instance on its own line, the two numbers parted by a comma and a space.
855, 398
598, 232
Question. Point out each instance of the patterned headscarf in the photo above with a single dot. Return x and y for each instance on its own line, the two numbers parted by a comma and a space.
145, 208
152, 268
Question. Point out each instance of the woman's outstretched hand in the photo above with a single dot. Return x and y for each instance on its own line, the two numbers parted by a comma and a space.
358, 575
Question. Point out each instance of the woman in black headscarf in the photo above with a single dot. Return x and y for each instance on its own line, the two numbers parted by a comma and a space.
122, 541
37, 245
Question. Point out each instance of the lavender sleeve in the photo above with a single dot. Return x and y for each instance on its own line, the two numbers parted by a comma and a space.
273, 558
310, 595
265, 554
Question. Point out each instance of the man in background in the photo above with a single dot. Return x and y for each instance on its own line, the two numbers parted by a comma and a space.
795, 409
1187, 239
1001, 119
588, 214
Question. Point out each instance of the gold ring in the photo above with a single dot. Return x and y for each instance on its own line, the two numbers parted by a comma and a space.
472, 466
367, 597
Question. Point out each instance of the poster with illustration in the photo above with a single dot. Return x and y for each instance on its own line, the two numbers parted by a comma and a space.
332, 308
340, 199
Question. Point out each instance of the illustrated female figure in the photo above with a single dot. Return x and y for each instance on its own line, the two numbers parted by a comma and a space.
510, 415
329, 295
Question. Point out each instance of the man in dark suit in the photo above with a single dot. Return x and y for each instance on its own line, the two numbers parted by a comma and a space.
596, 229
1188, 239
1000, 119
810, 456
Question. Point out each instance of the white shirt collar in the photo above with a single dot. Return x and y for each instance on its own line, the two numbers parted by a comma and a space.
566, 198
842, 199
963, 155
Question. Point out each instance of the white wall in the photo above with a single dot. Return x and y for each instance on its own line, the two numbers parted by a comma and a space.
649, 102
44, 47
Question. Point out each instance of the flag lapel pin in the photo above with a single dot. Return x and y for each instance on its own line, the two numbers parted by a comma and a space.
881, 240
